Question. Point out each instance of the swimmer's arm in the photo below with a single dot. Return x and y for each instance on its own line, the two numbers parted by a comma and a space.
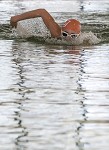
54, 28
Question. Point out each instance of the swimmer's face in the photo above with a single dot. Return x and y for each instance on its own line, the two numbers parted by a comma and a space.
69, 35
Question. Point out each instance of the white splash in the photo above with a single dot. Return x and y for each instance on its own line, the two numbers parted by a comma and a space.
36, 28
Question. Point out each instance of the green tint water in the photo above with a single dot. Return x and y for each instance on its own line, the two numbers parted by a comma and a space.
55, 97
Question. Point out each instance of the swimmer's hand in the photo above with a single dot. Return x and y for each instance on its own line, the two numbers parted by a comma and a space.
13, 22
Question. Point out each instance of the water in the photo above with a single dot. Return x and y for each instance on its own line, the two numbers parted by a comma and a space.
55, 96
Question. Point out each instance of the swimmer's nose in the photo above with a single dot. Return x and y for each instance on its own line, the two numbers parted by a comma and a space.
68, 38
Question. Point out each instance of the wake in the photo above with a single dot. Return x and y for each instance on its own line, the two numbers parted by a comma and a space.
85, 38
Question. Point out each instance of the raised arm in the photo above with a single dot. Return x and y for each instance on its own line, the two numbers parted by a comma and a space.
54, 28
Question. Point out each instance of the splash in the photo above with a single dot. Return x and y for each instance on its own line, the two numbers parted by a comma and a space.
28, 30
35, 29
84, 39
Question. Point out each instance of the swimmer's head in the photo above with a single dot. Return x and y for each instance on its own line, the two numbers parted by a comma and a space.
72, 25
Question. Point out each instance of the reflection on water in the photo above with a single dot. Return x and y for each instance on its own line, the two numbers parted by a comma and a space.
54, 97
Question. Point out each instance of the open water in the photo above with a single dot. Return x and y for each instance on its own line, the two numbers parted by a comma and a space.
55, 97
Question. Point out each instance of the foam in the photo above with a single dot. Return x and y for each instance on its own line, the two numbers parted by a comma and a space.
84, 39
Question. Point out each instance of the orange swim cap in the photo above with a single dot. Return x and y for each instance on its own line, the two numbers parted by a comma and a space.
73, 25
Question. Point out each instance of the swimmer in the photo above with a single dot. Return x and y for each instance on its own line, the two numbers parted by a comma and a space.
70, 30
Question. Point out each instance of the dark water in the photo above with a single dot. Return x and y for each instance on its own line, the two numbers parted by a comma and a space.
55, 97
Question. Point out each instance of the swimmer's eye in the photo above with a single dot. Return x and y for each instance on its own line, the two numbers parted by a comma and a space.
64, 34
74, 35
